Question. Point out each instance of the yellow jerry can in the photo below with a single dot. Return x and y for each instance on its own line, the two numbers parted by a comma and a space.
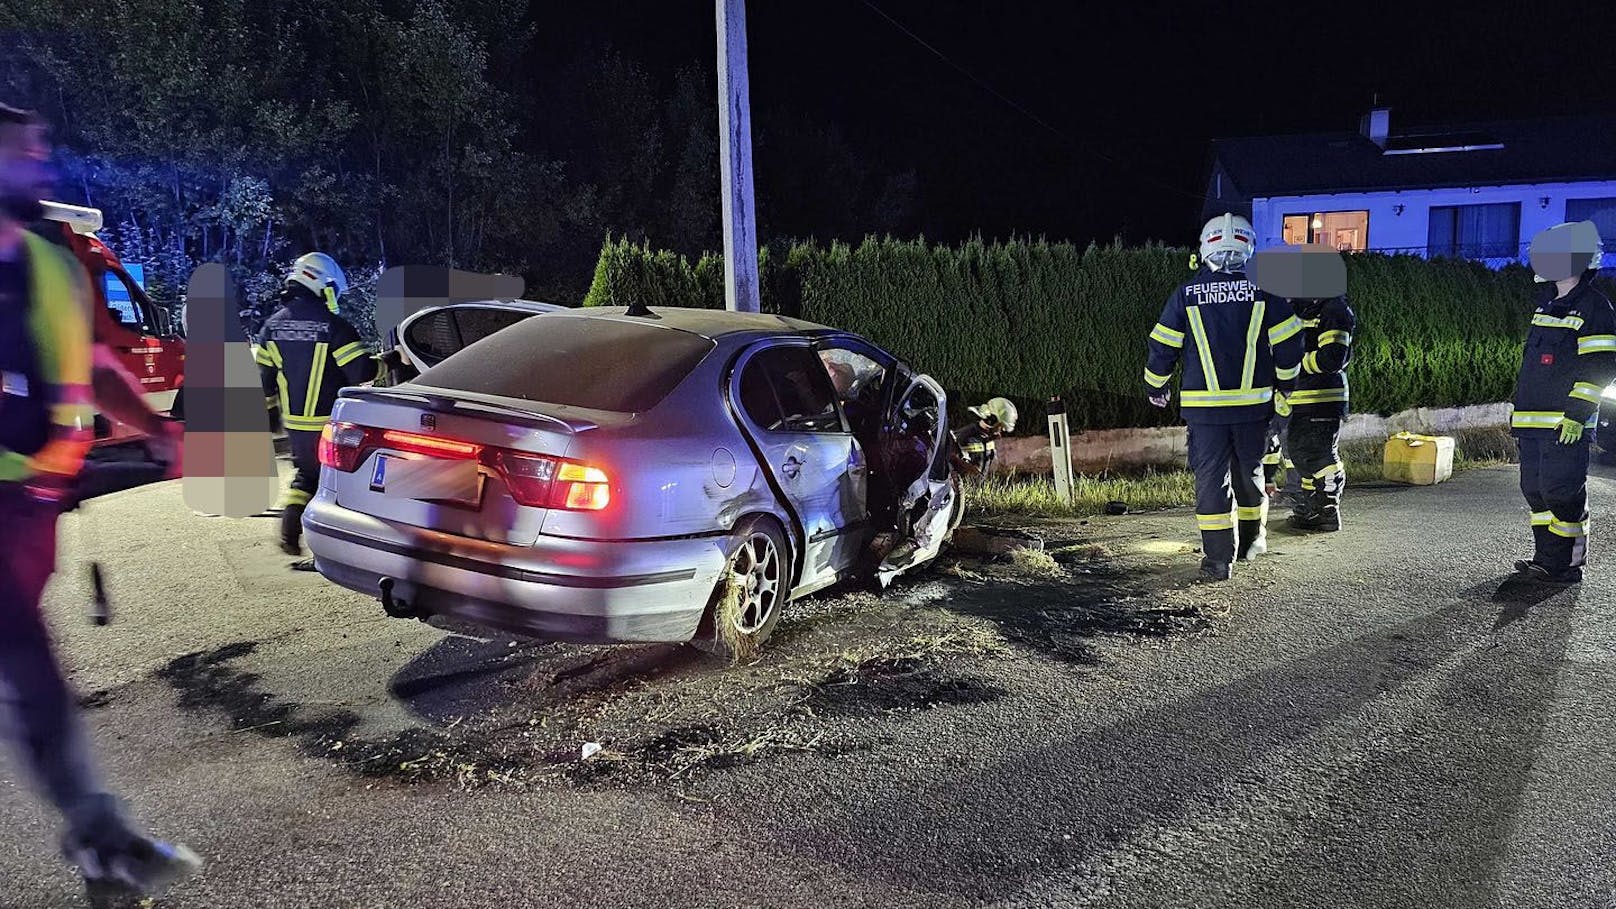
1416, 459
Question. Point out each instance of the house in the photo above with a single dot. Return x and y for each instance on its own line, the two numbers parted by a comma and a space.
1479, 191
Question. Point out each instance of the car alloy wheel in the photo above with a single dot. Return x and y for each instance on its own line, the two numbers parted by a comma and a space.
756, 566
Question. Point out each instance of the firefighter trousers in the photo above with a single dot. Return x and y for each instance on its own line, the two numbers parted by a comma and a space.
42, 714
305, 482
1314, 446
1227, 459
1554, 479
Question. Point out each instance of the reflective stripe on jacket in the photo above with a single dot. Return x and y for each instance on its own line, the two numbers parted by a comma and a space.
1321, 387
1569, 360
59, 322
1237, 343
306, 354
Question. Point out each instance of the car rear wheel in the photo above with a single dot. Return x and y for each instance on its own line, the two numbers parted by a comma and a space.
751, 594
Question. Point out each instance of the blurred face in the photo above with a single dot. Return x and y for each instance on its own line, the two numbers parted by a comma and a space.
25, 172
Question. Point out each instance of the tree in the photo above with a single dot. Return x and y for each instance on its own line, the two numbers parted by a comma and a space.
398, 132
694, 218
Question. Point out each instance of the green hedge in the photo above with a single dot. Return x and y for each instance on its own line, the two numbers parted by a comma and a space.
1031, 319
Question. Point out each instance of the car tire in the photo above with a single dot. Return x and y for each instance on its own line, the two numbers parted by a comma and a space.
750, 595
177, 409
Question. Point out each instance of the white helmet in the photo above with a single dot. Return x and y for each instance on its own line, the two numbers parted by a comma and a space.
1227, 241
998, 412
1565, 251
321, 275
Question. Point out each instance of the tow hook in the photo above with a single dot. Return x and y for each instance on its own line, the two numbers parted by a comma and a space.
397, 608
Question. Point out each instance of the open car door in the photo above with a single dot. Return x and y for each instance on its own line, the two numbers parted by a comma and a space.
918, 446
432, 335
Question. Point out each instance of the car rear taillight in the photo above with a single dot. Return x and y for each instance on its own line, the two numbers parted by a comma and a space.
342, 446
528, 477
543, 482
581, 488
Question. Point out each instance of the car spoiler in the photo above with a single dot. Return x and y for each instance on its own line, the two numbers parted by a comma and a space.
464, 402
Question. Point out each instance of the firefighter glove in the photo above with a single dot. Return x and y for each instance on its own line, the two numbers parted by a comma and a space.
1570, 431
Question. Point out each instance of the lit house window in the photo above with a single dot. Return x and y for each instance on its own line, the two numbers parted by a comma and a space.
1347, 231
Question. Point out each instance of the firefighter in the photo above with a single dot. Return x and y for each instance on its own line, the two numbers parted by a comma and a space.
1241, 350
305, 353
979, 442
1570, 359
50, 369
1318, 406
1313, 279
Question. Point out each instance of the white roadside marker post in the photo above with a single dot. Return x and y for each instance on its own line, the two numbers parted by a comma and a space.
1060, 450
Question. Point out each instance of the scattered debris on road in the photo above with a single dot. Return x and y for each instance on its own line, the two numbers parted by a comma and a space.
992, 542
508, 713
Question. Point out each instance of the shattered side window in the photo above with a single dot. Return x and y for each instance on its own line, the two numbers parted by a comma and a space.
918, 414
856, 377
860, 384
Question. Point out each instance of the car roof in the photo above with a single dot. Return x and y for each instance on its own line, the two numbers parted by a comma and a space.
531, 305
715, 324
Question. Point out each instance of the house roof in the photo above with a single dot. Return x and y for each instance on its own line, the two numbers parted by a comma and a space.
1568, 149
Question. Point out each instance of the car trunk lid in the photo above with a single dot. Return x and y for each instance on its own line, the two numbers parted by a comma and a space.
472, 465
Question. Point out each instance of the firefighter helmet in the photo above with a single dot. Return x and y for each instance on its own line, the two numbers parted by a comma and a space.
1565, 251
321, 275
998, 412
1227, 241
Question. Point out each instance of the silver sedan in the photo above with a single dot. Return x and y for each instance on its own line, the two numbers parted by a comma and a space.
603, 476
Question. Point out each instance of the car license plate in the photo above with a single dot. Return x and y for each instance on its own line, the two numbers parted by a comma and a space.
430, 479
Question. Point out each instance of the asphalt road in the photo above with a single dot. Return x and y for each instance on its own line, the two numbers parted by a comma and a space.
1362, 720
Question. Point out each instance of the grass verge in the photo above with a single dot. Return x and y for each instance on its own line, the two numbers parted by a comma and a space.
1152, 489
1023, 494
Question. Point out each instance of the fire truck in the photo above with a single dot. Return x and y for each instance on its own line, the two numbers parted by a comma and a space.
146, 338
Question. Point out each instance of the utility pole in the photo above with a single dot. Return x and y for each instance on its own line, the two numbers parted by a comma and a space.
735, 161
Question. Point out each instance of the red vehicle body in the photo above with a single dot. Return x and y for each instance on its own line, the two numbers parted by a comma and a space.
145, 338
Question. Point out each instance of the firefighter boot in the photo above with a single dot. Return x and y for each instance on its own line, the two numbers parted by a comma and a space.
1213, 572
1327, 520
141, 868
1542, 574
292, 530
1253, 540
1318, 511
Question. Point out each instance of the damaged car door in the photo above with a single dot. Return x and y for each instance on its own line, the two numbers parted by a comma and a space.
916, 451
787, 404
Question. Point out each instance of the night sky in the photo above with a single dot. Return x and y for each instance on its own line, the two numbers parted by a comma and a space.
1133, 91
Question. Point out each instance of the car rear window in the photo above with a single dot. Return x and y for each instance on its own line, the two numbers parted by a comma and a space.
598, 364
